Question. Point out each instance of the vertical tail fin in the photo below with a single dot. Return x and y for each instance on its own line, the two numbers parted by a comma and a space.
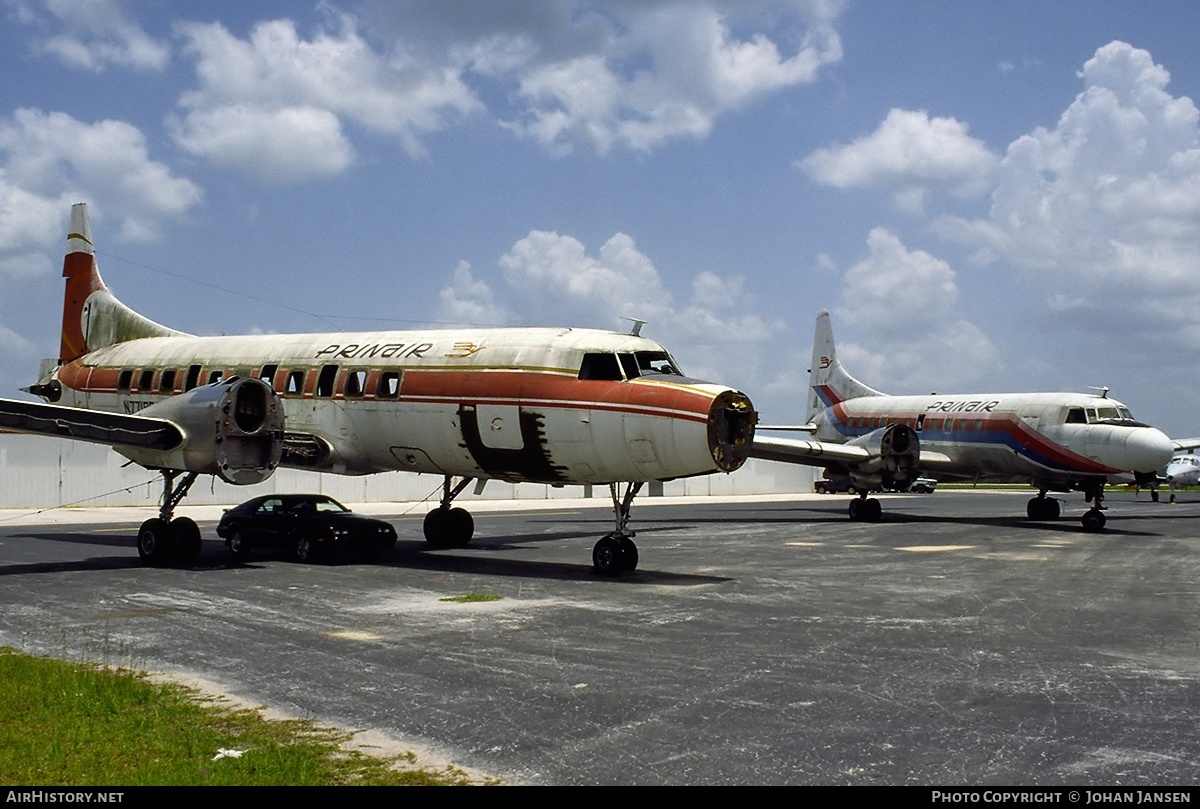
829, 382
92, 317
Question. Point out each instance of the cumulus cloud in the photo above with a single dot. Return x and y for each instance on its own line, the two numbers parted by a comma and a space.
93, 34
551, 279
902, 307
1102, 211
662, 70
910, 153
277, 104
49, 160
597, 76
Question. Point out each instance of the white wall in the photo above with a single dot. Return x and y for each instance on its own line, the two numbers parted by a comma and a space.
41, 472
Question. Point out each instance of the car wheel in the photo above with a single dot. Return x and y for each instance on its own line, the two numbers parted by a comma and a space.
239, 546
306, 550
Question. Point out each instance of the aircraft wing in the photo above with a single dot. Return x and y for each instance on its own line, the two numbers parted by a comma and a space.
822, 453
803, 451
1182, 444
113, 429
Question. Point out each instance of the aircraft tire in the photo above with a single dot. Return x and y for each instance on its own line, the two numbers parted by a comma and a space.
608, 557
460, 527
154, 541
187, 541
873, 511
629, 552
855, 510
1093, 520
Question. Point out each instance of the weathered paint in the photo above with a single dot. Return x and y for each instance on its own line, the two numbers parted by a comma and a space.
545, 423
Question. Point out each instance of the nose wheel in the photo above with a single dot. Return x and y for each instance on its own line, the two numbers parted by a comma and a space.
616, 552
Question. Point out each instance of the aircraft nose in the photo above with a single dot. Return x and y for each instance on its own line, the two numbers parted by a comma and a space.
1148, 449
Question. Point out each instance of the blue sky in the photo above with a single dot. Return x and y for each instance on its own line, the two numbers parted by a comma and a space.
987, 196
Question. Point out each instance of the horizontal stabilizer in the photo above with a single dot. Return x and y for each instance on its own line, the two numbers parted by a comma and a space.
113, 429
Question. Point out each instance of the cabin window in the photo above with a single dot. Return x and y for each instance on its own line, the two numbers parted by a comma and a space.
600, 366
388, 386
295, 384
146, 379
1075, 416
355, 384
267, 374
325, 380
125, 380
166, 382
193, 377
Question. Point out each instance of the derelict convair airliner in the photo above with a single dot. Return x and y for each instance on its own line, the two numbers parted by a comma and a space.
542, 405
1057, 442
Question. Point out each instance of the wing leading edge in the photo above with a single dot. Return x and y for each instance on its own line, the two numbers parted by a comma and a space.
113, 429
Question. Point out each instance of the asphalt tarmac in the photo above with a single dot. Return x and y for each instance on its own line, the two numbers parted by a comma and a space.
764, 641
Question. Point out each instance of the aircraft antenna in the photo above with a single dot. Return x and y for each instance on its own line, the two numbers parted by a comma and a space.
636, 329
1102, 388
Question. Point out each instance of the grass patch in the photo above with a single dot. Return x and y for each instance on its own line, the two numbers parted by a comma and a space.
471, 598
67, 724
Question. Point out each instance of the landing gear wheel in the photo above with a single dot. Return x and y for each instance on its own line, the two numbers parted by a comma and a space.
630, 553
1043, 508
154, 541
306, 550
187, 541
449, 527
239, 546
865, 510
1093, 520
608, 557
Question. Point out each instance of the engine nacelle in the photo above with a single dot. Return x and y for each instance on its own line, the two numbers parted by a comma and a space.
895, 452
232, 429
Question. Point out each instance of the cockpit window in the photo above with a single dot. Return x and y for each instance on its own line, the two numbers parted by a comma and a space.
629, 366
657, 362
1110, 413
600, 366
1075, 416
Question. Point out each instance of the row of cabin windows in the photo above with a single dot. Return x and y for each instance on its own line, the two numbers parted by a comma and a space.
918, 423
354, 383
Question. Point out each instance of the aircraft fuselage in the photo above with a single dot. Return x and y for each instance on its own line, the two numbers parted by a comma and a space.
1043, 437
543, 405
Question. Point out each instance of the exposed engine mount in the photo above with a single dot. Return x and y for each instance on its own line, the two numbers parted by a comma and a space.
895, 452
232, 429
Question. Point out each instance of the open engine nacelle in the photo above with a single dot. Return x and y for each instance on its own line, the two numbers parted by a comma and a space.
232, 429
894, 450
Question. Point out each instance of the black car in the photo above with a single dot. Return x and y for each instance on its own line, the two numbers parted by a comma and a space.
310, 526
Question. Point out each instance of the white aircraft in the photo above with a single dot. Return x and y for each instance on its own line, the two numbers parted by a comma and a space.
1055, 441
1183, 470
547, 405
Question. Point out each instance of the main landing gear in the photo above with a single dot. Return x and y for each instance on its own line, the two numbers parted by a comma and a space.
447, 527
616, 551
165, 541
1047, 509
865, 509
1043, 508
